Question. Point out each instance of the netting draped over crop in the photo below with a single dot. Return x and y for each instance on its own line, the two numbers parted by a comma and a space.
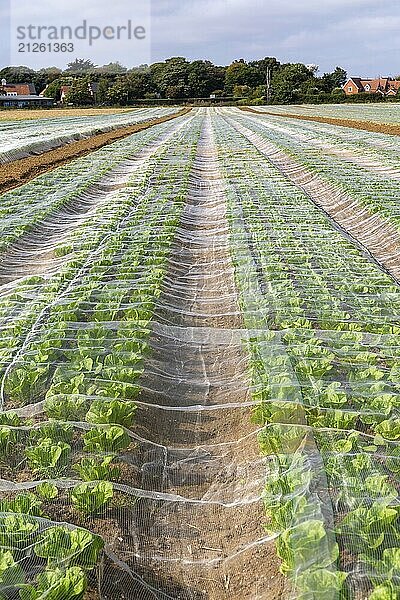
22, 138
200, 380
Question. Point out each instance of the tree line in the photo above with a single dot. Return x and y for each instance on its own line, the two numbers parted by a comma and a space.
257, 82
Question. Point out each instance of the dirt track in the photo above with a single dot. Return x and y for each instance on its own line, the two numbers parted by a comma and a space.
20, 171
364, 125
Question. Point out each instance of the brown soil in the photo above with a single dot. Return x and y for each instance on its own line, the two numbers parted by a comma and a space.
374, 233
20, 171
208, 541
353, 124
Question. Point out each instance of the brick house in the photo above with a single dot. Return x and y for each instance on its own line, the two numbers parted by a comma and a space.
17, 89
382, 85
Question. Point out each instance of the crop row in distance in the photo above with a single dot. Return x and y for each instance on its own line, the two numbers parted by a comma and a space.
22, 138
361, 164
374, 113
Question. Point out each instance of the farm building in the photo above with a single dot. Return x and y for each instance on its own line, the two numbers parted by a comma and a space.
25, 101
21, 95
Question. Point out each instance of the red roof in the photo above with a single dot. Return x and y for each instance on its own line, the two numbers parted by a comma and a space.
21, 89
373, 86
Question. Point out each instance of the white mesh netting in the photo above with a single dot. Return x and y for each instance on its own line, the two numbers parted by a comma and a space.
199, 379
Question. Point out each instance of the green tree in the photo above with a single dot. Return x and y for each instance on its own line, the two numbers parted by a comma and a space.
139, 84
242, 91
336, 79
80, 65
204, 78
339, 77
112, 68
241, 73
79, 94
289, 82
50, 73
171, 77
53, 90
19, 74
118, 93
102, 91
265, 67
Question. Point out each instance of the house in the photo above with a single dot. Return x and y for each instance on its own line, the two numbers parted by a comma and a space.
21, 95
64, 91
17, 89
25, 101
381, 85
93, 90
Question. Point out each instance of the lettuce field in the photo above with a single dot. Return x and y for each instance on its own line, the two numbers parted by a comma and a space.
200, 362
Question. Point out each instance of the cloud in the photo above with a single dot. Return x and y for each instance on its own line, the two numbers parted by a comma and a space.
320, 31
70, 15
360, 35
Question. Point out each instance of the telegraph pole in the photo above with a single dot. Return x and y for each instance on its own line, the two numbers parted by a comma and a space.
268, 85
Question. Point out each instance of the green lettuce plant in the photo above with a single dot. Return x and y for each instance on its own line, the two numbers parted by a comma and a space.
90, 499
69, 547
112, 412
106, 439
94, 469
48, 457
11, 573
57, 584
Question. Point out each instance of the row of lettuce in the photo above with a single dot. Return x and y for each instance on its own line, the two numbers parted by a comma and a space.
21, 138
324, 351
27, 206
73, 348
375, 113
361, 164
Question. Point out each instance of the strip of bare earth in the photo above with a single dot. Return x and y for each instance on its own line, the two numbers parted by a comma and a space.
364, 125
21, 171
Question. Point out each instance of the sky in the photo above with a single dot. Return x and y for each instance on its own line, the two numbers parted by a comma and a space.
362, 36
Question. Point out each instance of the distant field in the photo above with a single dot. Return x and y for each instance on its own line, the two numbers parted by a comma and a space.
22, 115
375, 113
